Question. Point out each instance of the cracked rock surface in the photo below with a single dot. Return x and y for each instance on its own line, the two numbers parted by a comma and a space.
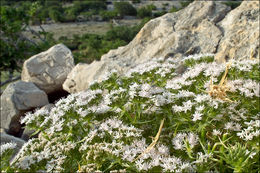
48, 70
241, 33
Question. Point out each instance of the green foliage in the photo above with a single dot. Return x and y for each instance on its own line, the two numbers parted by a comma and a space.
125, 8
83, 6
15, 47
107, 15
12, 49
173, 9
144, 12
108, 126
55, 15
135, 1
237, 157
159, 13
151, 7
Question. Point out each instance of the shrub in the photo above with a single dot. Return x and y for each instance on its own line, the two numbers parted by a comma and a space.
144, 12
84, 6
135, 1
151, 6
205, 120
159, 13
55, 15
107, 15
125, 8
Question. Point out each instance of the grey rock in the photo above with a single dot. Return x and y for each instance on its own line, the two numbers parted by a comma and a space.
16, 99
48, 70
241, 33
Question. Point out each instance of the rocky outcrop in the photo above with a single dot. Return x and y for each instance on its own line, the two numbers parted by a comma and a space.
189, 31
202, 27
48, 70
16, 99
241, 33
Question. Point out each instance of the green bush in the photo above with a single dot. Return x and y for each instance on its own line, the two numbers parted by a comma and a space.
55, 15
84, 6
159, 13
144, 12
125, 8
135, 1
107, 15
151, 6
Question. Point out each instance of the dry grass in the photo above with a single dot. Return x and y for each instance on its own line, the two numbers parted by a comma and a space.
219, 91
155, 139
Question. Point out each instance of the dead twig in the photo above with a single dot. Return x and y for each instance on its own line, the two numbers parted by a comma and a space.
155, 139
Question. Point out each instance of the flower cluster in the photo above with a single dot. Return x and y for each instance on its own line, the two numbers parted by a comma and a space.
7, 146
109, 126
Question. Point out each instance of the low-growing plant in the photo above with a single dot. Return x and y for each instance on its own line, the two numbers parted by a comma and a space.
152, 119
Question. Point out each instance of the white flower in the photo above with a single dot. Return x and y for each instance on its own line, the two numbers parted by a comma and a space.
102, 108
7, 146
178, 141
192, 139
163, 149
201, 98
82, 112
216, 132
200, 108
197, 116
229, 125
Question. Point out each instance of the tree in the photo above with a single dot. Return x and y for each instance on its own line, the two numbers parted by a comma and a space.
15, 47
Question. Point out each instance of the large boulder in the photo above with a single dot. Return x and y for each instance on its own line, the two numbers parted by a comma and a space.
241, 33
83, 74
16, 99
48, 70
189, 31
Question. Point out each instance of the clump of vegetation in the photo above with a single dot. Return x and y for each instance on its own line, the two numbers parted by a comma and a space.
124, 8
146, 11
108, 128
